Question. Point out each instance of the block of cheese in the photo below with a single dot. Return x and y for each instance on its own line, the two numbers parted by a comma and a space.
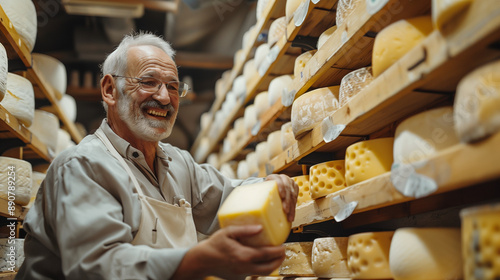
11, 254
20, 99
354, 82
51, 70
250, 117
344, 9
367, 159
424, 135
312, 107
22, 14
45, 126
68, 106
249, 70
443, 11
276, 30
227, 170
394, 41
239, 127
426, 253
290, 8
329, 257
242, 170
326, 178
477, 103
277, 86
287, 137
239, 86
325, 36
257, 204
297, 260
301, 61
4, 66
481, 242
261, 103
304, 193
253, 166
260, 54
368, 255
15, 176
262, 151
274, 146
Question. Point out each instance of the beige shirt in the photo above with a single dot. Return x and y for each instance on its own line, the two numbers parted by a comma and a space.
87, 211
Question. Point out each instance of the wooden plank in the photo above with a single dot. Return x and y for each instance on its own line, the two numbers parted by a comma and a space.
16, 48
19, 212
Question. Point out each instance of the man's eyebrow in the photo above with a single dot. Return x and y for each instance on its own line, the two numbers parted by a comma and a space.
156, 74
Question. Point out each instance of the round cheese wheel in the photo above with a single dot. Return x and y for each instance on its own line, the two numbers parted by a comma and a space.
261, 103
23, 175
22, 14
4, 66
52, 71
239, 57
354, 82
301, 61
287, 137
325, 36
45, 126
230, 142
202, 149
250, 117
262, 151
290, 8
368, 255
20, 99
247, 37
444, 11
205, 120
274, 143
249, 70
213, 159
239, 127
253, 166
242, 171
68, 106
63, 141
227, 171
276, 31
326, 178
260, 54
261, 7
240, 86
277, 86
344, 9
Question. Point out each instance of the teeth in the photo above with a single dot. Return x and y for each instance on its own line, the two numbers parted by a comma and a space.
158, 114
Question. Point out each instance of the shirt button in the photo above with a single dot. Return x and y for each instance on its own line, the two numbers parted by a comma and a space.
135, 154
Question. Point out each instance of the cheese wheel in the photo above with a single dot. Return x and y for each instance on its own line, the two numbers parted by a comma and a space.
257, 204
239, 86
213, 159
425, 134
477, 103
247, 37
368, 255
262, 151
20, 172
353, 83
277, 86
297, 260
205, 120
242, 170
249, 70
444, 11
290, 8
426, 253
329, 257
344, 9
274, 140
20, 99
287, 137
261, 103
301, 61
326, 178
37, 178
325, 36
312, 107
304, 190
394, 41
219, 88
250, 116
68, 106
202, 149
45, 127
239, 57
4, 66
261, 7
227, 170
22, 14
63, 141
239, 127
367, 159
276, 31
481, 242
230, 142
260, 54
11, 255
51, 70
253, 166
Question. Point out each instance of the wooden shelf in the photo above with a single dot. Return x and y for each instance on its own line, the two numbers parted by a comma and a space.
14, 45
7, 275
19, 212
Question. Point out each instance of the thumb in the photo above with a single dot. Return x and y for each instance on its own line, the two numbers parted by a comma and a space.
237, 232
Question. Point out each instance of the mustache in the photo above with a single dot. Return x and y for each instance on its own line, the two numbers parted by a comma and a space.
155, 104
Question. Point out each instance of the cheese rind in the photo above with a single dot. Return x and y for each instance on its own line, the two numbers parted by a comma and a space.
276, 30
287, 137
250, 116
242, 170
20, 99
290, 8
23, 15
261, 103
52, 70
326, 178
325, 36
277, 86
353, 83
253, 166
45, 126
262, 151
329, 257
274, 140
297, 260
15, 177
4, 61
304, 194
443, 11
344, 9
260, 54
257, 204
301, 61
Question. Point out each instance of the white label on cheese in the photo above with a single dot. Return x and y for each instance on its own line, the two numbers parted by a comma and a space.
288, 97
373, 6
330, 130
301, 13
268, 60
315, 1
408, 182
345, 208
256, 128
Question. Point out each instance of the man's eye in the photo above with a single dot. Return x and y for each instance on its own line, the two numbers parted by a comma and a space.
173, 86
149, 82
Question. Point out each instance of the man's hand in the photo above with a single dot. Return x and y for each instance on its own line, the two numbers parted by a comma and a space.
288, 192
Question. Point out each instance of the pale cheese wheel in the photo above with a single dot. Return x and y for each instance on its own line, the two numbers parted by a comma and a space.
329, 257
20, 172
276, 30
291, 7
250, 117
274, 140
63, 141
424, 135
260, 54
287, 137
301, 61
312, 107
353, 83
4, 66
426, 253
213, 159
230, 142
240, 86
261, 7
205, 120
297, 260
249, 70
45, 127
325, 36
227, 171
239, 57
68, 106
444, 11
247, 37
239, 127
51, 70
277, 86
11, 255
22, 14
37, 178
326, 178
304, 195
202, 149
242, 171
253, 166
20, 99
219, 88
262, 151
344, 10
261, 103
477, 103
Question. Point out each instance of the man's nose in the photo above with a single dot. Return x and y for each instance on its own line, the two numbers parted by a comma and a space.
162, 95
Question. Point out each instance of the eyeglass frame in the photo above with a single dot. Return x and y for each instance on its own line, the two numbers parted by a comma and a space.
183, 94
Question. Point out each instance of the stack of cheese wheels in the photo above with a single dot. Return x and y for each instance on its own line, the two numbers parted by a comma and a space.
290, 8
481, 242
426, 253
261, 104
287, 137
250, 116
260, 54
344, 9
276, 30
327, 34
22, 14
301, 61
326, 178
444, 11
51, 70
23, 174
277, 86
329, 257
258, 204
312, 107
297, 260
367, 159
45, 126
368, 255
20, 99
394, 41
477, 103
68, 105
227, 170
262, 151
253, 166
424, 135
4, 66
213, 159
11, 254
353, 83
274, 146
304, 195
242, 170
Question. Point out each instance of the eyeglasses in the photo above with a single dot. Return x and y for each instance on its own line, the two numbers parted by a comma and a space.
152, 85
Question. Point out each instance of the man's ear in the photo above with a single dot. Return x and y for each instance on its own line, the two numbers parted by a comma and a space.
108, 90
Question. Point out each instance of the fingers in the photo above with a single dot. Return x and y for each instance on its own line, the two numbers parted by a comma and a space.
288, 191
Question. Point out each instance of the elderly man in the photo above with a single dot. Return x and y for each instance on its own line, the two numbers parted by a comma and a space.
122, 205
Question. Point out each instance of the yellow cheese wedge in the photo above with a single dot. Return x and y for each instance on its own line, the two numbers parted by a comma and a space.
257, 204
298, 259
443, 11
301, 61
327, 177
304, 194
329, 257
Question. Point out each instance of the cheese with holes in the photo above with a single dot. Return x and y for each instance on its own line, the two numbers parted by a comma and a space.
443, 11
327, 177
477, 103
250, 117
20, 99
253, 166
276, 31
367, 159
261, 103
262, 151
45, 127
277, 86
344, 10
301, 61
51, 70
4, 66
227, 171
297, 260
353, 83
325, 36
329, 257
242, 170
394, 41
15, 177
257, 204
368, 255
424, 135
274, 146
481, 242
22, 14
287, 137
426, 253
260, 54
312, 107
291, 7
304, 193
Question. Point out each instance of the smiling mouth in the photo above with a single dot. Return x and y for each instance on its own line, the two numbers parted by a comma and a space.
156, 113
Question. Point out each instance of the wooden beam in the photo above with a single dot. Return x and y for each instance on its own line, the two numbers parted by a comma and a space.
203, 60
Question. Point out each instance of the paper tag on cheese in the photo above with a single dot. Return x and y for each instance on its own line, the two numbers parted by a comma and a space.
373, 6
301, 13
256, 128
345, 208
287, 97
315, 1
410, 183
330, 130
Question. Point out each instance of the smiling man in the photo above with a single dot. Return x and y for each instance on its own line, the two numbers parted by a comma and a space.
123, 205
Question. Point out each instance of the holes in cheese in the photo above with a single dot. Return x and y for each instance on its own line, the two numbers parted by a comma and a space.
329, 257
276, 31
354, 82
477, 103
23, 173
277, 86
443, 11
344, 9
312, 107
274, 146
304, 194
301, 61
325, 36
261, 103
326, 178
287, 137
297, 260
394, 41
19, 99
51, 70
45, 126
426, 253
4, 61
257, 204
22, 14
367, 159
368, 255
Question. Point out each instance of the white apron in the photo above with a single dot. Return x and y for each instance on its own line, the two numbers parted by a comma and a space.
163, 225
